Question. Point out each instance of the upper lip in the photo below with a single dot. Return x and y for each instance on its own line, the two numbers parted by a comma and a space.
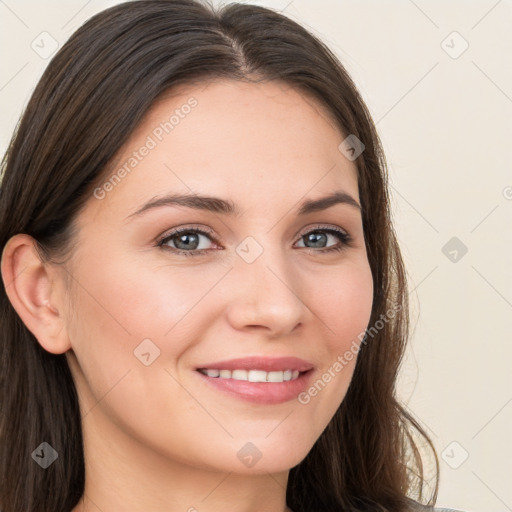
267, 364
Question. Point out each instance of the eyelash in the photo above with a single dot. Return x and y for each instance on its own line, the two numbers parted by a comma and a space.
344, 237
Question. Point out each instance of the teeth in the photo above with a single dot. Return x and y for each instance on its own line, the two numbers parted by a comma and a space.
238, 375
257, 376
252, 375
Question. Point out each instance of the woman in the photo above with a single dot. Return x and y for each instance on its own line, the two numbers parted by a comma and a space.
170, 338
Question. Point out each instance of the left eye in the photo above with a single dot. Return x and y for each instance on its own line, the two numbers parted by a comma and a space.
187, 241
318, 236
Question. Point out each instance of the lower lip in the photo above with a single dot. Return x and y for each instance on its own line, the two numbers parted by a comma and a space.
260, 392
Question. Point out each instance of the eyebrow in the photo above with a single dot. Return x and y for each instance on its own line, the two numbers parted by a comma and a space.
227, 207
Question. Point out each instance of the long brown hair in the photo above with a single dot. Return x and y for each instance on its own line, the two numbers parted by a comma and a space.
92, 96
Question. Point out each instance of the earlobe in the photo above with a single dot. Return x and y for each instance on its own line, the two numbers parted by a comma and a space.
28, 283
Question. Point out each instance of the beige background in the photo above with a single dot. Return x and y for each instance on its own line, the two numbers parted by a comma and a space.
445, 118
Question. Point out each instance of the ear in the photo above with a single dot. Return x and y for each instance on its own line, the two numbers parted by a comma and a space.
31, 288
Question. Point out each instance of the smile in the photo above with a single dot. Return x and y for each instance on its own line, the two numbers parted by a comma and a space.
252, 375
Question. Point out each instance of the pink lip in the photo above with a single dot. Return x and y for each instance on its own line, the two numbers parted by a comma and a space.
260, 392
267, 364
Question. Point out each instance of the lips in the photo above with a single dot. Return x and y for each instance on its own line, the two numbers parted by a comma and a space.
260, 392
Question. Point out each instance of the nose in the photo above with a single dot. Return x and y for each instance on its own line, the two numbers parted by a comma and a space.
265, 294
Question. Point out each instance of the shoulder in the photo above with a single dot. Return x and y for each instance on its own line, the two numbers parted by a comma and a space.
418, 507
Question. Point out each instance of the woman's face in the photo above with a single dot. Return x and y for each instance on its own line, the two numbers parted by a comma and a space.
256, 282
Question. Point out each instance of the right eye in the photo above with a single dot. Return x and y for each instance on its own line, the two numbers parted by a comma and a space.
186, 241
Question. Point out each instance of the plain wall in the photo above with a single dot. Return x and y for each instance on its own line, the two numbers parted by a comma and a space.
444, 114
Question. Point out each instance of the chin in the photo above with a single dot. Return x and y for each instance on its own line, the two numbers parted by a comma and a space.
264, 456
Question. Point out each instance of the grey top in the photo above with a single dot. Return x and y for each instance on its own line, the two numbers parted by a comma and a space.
446, 510
419, 507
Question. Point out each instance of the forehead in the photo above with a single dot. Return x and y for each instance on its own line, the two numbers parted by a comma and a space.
258, 142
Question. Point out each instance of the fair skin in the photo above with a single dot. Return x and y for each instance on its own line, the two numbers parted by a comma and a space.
157, 437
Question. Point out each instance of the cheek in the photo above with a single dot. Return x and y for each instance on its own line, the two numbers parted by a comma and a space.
132, 300
343, 301
119, 303
122, 301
